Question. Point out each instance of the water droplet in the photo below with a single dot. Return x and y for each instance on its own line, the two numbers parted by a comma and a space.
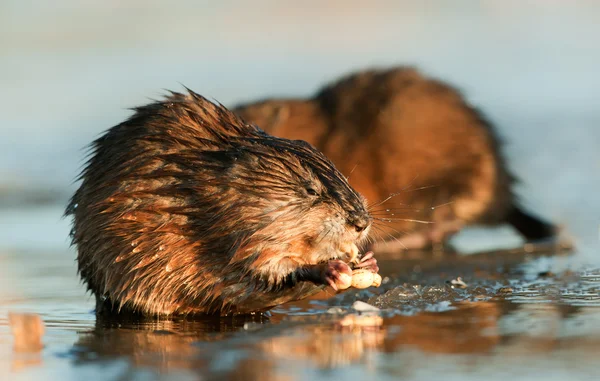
136, 250
161, 247
134, 243
168, 268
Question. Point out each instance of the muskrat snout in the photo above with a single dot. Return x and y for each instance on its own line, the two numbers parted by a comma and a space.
360, 222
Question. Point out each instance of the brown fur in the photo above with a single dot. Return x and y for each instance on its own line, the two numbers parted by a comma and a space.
396, 131
185, 209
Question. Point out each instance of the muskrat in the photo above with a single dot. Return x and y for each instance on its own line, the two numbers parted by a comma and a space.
414, 144
186, 209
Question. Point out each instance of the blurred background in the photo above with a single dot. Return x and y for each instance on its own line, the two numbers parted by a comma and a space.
69, 69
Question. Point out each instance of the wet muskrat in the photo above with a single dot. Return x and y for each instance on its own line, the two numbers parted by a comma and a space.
186, 209
412, 141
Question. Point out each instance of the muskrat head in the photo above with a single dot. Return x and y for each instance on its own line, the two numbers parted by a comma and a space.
311, 213
298, 208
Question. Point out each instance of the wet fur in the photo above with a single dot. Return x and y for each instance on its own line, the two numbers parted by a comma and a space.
397, 131
186, 209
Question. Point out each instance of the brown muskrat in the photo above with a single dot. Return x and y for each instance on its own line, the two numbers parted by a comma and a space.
186, 209
414, 144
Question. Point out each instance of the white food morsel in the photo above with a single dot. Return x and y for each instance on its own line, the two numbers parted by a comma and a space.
362, 278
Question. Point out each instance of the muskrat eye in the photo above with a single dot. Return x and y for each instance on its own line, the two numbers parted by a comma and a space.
311, 192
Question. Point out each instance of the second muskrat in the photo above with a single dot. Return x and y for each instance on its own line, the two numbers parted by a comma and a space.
186, 209
414, 144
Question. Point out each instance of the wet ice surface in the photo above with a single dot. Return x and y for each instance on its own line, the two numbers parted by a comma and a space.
520, 315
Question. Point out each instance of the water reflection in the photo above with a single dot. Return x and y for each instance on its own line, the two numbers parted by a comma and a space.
228, 348
328, 337
161, 344
225, 350
27, 330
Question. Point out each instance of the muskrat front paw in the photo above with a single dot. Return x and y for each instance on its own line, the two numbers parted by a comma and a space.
365, 272
338, 275
368, 262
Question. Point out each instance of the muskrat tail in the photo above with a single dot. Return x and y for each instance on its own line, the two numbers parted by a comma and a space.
532, 228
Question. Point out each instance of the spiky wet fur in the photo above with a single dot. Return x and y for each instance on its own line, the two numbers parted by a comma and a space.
185, 208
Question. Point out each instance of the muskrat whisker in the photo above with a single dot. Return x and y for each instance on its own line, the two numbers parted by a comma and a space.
422, 188
404, 219
385, 209
440, 205
350, 174
377, 212
384, 200
378, 230
403, 189
389, 235
397, 204
399, 232
392, 211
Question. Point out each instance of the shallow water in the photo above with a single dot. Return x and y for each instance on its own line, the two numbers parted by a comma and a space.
520, 315
68, 71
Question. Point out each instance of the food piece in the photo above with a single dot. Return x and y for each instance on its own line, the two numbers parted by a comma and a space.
376, 280
362, 278
344, 281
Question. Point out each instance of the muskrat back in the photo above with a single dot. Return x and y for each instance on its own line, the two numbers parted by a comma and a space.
396, 132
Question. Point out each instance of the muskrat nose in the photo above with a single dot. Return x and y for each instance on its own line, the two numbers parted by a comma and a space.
360, 222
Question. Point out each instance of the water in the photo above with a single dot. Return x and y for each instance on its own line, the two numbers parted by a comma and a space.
69, 70
521, 315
